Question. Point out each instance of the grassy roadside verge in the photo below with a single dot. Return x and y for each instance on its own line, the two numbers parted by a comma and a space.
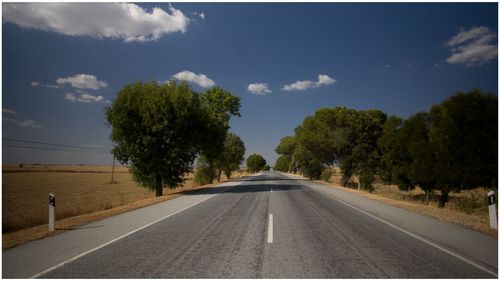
476, 219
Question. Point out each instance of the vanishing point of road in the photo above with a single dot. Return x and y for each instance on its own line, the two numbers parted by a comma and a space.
264, 226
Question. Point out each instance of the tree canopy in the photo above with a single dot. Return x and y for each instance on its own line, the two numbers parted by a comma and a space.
159, 129
232, 155
452, 147
255, 163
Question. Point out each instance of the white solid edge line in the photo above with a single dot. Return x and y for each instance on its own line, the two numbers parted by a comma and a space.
270, 230
123, 236
419, 238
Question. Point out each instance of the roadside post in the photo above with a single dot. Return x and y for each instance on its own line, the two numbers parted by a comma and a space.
52, 211
492, 209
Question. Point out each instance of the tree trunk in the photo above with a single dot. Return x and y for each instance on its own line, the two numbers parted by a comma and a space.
158, 187
218, 177
346, 181
427, 195
228, 174
444, 198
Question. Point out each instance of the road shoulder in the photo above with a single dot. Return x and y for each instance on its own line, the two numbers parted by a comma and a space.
477, 246
32, 258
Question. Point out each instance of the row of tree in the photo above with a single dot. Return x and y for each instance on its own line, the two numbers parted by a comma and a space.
160, 129
452, 147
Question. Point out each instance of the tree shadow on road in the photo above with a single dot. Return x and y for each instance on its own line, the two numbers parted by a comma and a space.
243, 188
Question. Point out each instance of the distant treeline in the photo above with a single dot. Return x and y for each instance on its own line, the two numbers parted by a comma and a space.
453, 146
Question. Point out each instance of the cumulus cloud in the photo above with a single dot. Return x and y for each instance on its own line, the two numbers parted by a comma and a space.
200, 79
306, 84
35, 83
125, 21
259, 88
25, 123
8, 111
475, 46
85, 98
83, 81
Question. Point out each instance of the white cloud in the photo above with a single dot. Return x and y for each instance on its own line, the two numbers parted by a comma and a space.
306, 84
26, 123
85, 98
38, 84
259, 88
70, 97
325, 80
89, 98
8, 111
83, 81
299, 85
473, 47
199, 14
125, 21
200, 79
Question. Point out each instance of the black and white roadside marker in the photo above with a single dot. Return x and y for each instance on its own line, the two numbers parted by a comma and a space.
52, 211
492, 210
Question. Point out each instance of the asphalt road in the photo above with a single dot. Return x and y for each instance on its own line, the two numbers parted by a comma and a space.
272, 226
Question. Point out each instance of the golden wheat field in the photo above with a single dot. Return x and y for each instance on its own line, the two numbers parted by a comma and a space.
78, 189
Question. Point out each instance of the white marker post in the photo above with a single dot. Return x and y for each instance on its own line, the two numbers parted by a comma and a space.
492, 209
52, 211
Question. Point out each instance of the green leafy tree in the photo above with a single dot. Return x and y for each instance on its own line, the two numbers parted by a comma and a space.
255, 163
221, 105
283, 163
287, 147
407, 153
159, 129
205, 171
232, 155
309, 164
343, 136
464, 134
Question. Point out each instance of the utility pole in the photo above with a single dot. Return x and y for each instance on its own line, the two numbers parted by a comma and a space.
113, 170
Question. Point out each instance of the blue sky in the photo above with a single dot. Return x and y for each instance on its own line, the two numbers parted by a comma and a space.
61, 65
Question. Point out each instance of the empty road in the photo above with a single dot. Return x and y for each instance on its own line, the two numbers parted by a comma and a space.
274, 226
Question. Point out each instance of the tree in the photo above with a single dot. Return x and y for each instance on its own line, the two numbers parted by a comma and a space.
255, 163
283, 163
365, 156
231, 156
407, 153
309, 164
205, 172
221, 105
159, 129
464, 134
287, 148
344, 136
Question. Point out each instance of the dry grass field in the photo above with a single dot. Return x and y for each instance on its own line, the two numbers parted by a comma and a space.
468, 207
79, 190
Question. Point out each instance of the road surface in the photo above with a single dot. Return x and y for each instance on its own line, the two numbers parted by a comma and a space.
265, 226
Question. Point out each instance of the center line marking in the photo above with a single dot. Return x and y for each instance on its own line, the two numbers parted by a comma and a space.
270, 230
